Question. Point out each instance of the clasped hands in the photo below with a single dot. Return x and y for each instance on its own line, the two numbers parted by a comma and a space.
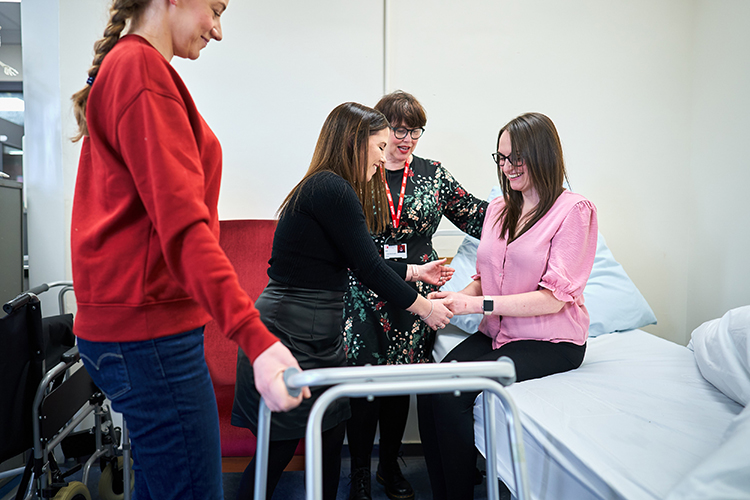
458, 303
446, 305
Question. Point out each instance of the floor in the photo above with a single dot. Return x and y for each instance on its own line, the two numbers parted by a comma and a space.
291, 485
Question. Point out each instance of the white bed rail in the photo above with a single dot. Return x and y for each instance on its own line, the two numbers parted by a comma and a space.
487, 376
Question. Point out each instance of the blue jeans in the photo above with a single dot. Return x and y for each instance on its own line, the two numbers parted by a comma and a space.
163, 389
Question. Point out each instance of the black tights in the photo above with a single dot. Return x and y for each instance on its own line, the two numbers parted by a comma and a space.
280, 453
446, 422
391, 412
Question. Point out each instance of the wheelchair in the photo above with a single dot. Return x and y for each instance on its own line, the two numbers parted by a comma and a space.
46, 394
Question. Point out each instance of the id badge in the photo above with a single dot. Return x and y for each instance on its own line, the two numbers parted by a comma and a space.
394, 251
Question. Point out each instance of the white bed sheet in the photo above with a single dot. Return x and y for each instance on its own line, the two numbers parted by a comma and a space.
631, 422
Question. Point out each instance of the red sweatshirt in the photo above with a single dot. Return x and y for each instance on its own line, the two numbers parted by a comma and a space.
145, 233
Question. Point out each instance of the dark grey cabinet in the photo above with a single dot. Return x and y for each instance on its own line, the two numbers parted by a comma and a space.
11, 239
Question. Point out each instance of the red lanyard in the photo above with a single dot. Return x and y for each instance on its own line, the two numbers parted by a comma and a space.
396, 214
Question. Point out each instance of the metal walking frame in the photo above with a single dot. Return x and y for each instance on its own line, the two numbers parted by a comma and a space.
391, 380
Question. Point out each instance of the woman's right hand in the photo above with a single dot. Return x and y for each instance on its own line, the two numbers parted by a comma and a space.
268, 370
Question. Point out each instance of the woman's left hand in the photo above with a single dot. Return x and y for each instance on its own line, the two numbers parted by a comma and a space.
434, 273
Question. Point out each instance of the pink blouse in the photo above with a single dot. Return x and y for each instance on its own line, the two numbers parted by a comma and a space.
557, 253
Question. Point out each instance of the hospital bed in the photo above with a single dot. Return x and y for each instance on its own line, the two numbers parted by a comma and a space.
632, 422
642, 418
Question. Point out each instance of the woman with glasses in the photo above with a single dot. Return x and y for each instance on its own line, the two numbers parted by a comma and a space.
533, 262
378, 331
303, 302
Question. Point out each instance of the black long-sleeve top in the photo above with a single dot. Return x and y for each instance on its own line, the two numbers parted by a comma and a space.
324, 235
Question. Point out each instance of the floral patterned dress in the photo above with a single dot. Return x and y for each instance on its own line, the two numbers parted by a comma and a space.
376, 332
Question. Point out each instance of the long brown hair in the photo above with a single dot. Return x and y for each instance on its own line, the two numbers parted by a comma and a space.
342, 148
534, 140
120, 12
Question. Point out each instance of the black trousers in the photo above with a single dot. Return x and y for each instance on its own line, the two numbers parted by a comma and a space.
280, 453
446, 422
391, 412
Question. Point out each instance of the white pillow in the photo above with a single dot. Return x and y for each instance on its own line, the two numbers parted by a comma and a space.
614, 302
722, 351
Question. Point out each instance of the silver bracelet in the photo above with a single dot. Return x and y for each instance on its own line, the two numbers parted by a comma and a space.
432, 308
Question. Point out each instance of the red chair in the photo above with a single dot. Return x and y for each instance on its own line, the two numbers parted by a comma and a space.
248, 244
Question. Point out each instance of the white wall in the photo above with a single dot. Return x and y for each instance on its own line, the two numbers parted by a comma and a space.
649, 99
43, 169
719, 168
269, 85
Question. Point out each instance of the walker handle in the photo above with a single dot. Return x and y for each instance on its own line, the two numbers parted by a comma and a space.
38, 289
288, 373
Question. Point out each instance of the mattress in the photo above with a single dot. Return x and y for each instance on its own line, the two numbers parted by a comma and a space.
630, 423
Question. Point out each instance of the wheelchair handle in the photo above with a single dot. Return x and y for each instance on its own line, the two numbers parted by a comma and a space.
23, 299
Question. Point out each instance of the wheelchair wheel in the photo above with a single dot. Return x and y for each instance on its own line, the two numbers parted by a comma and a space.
75, 490
111, 484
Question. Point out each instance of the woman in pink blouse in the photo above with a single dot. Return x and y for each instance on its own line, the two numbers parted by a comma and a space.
534, 258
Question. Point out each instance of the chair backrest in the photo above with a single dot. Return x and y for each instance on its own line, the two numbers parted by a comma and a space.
247, 244
22, 339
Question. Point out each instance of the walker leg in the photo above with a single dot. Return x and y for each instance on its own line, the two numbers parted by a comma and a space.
493, 491
261, 451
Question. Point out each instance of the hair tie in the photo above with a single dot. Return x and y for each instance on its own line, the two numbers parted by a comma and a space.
90, 80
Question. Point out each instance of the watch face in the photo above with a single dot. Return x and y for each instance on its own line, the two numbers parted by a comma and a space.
489, 305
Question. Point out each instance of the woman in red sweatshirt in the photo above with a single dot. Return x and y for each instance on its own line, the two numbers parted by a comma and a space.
147, 266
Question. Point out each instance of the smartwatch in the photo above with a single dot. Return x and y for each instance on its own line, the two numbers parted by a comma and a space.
488, 305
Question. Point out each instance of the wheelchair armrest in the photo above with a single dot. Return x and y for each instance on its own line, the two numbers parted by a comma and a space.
70, 356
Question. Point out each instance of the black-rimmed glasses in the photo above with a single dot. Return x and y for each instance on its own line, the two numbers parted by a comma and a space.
501, 159
400, 132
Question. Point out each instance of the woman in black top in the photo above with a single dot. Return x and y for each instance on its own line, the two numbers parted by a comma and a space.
324, 229
376, 330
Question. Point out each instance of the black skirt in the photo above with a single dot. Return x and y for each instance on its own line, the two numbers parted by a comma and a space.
308, 322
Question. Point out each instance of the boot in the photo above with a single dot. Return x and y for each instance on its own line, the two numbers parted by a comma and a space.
360, 485
396, 485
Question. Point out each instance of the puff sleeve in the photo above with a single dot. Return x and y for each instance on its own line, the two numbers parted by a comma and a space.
572, 252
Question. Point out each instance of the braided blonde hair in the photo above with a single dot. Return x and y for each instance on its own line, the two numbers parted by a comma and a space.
120, 13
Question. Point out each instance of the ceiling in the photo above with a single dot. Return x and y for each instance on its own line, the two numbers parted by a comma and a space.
10, 21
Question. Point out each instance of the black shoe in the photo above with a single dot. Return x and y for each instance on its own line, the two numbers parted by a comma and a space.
360, 485
478, 477
396, 485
